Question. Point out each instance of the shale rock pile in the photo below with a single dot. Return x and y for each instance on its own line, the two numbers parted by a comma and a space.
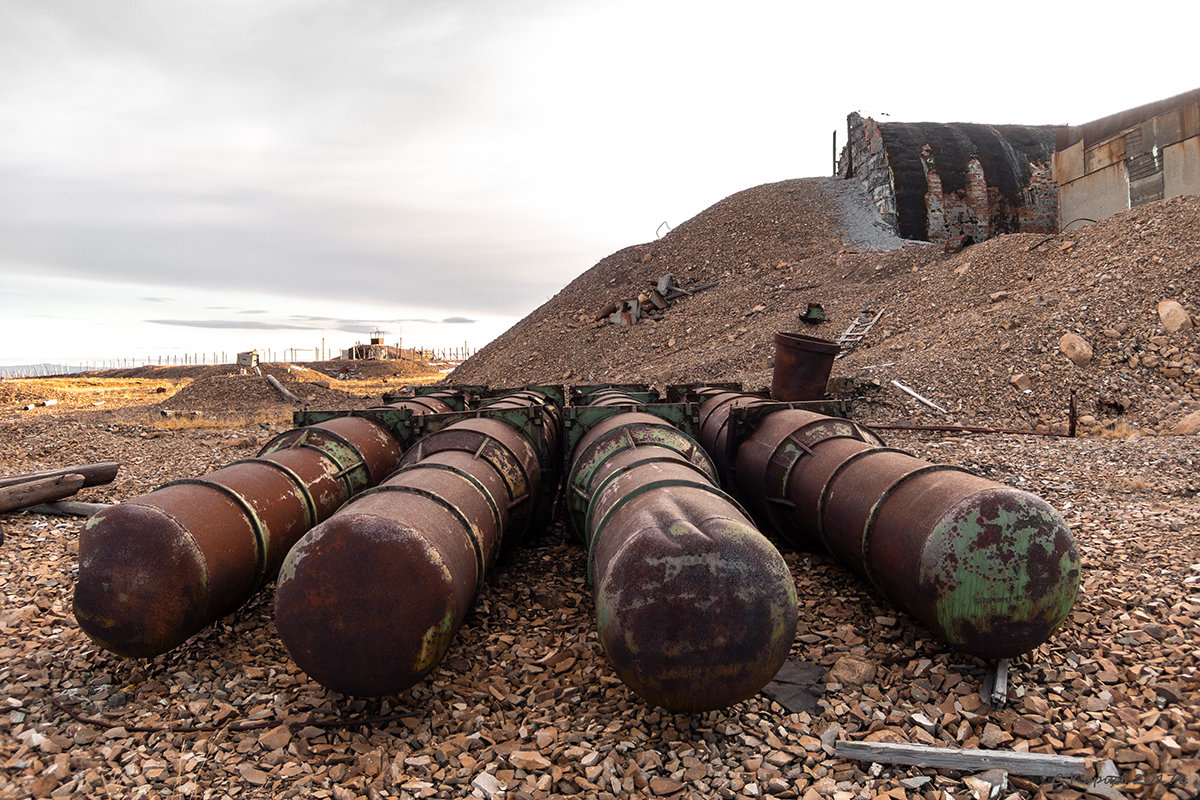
980, 332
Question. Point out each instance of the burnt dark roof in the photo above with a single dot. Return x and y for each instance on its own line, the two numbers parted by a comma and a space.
1005, 153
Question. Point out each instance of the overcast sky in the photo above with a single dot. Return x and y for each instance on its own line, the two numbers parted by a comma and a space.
213, 175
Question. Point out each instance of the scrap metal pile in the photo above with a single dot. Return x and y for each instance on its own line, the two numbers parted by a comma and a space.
380, 526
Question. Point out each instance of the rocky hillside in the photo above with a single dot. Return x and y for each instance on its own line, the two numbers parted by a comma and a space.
980, 332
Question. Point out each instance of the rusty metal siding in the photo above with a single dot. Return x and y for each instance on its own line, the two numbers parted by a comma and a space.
1095, 196
1150, 143
1181, 167
1113, 125
1069, 163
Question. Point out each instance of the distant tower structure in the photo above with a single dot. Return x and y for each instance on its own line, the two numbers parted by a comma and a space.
378, 348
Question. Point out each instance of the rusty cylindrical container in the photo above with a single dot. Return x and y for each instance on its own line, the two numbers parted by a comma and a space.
158, 568
991, 570
696, 610
368, 602
802, 366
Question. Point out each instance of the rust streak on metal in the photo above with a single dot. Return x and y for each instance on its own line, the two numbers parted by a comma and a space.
992, 570
158, 568
696, 610
369, 601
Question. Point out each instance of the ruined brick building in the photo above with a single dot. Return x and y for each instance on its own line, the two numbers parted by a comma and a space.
945, 181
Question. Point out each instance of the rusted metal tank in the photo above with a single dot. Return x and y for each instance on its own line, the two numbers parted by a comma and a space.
158, 568
368, 602
992, 570
696, 610
802, 366
423, 405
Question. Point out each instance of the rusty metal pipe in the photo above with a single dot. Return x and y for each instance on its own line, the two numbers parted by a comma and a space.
369, 601
990, 569
696, 610
426, 404
158, 568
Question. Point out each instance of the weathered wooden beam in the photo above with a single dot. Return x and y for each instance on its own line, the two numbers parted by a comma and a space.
39, 491
919, 755
68, 508
271, 380
93, 474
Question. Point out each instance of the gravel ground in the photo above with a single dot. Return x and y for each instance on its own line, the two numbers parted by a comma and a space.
525, 704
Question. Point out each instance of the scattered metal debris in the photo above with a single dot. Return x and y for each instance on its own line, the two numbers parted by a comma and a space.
796, 685
995, 684
814, 314
629, 312
919, 398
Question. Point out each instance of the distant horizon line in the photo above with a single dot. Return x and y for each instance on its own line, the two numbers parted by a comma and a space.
49, 368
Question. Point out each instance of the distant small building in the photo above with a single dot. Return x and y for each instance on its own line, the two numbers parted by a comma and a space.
1147, 153
375, 350
938, 181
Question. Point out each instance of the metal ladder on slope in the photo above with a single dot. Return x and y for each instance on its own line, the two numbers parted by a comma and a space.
859, 328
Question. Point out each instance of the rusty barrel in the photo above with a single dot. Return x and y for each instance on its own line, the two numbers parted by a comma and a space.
369, 601
158, 568
696, 610
991, 570
802, 366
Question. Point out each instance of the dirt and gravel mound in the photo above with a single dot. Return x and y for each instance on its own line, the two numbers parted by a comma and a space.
978, 332
387, 369
767, 246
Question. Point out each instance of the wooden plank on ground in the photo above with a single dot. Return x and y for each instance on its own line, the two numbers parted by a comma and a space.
39, 491
93, 474
68, 508
919, 755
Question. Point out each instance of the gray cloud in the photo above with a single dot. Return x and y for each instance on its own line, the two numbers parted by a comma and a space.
249, 325
458, 320
293, 163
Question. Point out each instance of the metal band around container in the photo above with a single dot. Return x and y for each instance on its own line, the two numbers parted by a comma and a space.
461, 518
310, 505
302, 440
260, 533
634, 434
514, 499
821, 498
778, 470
